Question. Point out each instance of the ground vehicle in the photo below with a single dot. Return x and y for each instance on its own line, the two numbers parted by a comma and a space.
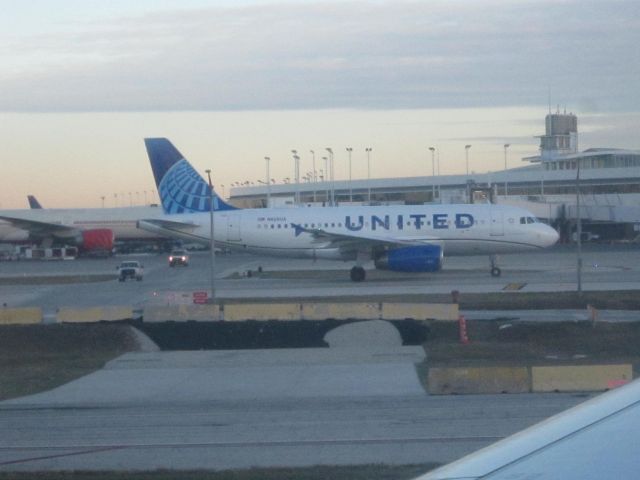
179, 257
130, 269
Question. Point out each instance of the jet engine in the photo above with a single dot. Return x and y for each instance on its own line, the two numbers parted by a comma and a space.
419, 258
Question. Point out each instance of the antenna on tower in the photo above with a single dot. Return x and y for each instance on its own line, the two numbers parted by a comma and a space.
549, 98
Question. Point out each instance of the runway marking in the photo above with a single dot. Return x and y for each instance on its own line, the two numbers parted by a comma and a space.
49, 457
277, 443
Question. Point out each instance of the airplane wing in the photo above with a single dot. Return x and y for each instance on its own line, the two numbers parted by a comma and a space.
359, 241
594, 440
40, 229
171, 228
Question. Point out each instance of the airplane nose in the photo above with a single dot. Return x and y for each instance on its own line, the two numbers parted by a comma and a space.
550, 236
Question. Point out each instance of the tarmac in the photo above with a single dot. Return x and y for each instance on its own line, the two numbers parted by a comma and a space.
242, 409
361, 401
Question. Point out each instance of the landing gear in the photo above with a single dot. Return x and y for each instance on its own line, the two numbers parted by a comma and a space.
358, 274
495, 270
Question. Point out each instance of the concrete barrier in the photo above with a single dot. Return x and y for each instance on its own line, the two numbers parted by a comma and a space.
262, 311
583, 378
181, 313
93, 314
341, 311
445, 380
297, 311
420, 311
20, 316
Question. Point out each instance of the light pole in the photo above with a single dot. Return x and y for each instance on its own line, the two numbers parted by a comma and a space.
212, 264
268, 160
296, 174
433, 173
506, 145
325, 179
579, 231
349, 150
333, 186
102, 197
368, 150
315, 177
466, 151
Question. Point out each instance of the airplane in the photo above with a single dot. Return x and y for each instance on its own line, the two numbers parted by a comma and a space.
407, 238
90, 229
593, 440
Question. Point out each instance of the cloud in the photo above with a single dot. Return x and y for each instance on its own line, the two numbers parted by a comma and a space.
361, 54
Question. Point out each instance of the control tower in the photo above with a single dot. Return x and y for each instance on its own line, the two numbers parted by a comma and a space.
561, 135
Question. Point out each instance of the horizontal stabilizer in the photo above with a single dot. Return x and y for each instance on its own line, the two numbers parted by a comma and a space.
173, 229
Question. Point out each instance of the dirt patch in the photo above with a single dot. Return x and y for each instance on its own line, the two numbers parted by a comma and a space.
614, 300
35, 358
521, 343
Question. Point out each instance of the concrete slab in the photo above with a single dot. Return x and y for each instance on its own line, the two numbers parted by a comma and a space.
364, 334
178, 377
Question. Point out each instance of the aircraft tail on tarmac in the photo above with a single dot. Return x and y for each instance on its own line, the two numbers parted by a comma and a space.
181, 189
33, 202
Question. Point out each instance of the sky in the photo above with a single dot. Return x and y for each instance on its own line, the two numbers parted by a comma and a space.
82, 82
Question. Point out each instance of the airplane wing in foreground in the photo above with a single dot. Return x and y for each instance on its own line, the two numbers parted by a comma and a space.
594, 440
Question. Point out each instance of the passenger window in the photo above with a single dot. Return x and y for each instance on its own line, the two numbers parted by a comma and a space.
279, 226
273, 226
523, 220
333, 224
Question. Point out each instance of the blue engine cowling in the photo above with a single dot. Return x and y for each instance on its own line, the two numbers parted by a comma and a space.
423, 258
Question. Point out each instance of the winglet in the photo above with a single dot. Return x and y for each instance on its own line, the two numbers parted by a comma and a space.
180, 187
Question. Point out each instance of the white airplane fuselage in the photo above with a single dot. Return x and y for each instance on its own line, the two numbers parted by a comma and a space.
122, 221
458, 229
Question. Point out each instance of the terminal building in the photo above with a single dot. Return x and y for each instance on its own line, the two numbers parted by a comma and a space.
601, 185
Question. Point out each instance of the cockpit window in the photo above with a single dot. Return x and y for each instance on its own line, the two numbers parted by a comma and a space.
525, 220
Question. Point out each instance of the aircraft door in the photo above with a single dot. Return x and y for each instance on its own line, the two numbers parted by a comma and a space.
497, 225
233, 228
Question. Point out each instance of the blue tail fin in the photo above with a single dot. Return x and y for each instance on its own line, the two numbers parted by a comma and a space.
180, 188
34, 204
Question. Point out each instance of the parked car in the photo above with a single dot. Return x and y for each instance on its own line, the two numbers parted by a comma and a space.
130, 269
178, 257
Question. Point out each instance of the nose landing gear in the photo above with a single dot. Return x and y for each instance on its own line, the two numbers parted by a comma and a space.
358, 274
495, 270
